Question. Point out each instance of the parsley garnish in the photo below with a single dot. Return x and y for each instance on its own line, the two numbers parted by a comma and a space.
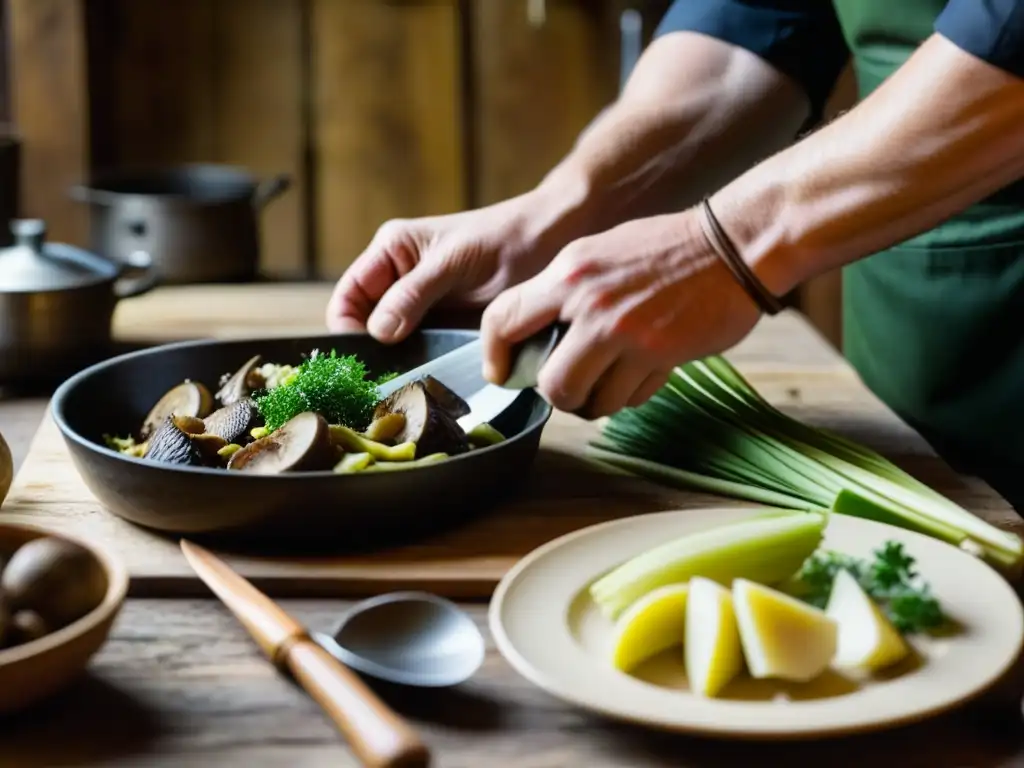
889, 579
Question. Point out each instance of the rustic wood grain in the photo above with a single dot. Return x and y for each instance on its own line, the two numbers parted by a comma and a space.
181, 684
211, 81
787, 361
387, 119
260, 115
50, 109
535, 88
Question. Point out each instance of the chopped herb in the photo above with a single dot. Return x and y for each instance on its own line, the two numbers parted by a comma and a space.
889, 579
334, 386
121, 444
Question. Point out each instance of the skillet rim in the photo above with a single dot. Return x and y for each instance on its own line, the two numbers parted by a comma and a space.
60, 396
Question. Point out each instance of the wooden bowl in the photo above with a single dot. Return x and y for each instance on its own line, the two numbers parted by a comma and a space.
35, 670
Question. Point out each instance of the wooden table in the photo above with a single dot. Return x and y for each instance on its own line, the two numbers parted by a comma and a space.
180, 683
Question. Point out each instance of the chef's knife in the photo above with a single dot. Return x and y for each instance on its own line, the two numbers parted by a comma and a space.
378, 736
461, 370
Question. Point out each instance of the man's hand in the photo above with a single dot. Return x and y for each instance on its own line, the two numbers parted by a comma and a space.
695, 112
462, 260
639, 299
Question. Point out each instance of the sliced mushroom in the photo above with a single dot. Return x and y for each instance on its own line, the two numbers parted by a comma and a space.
209, 447
171, 445
190, 425
446, 398
234, 421
302, 443
189, 398
430, 426
241, 383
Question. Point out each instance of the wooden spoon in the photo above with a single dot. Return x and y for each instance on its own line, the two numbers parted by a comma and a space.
378, 736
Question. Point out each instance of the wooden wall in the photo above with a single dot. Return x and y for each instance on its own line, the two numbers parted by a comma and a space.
49, 105
375, 108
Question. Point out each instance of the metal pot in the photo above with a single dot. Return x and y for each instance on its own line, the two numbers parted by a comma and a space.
197, 223
56, 304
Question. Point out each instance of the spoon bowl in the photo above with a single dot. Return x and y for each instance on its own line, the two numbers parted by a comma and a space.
409, 638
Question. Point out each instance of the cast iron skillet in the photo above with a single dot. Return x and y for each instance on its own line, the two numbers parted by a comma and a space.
313, 510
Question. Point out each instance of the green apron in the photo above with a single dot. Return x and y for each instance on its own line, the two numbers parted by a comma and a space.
935, 326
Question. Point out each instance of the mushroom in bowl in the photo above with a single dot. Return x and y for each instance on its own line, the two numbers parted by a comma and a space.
324, 413
59, 597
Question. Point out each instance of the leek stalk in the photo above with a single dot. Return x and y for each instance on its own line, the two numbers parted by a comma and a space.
710, 430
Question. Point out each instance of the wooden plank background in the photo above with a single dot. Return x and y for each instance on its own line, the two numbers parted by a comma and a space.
376, 109
387, 119
49, 104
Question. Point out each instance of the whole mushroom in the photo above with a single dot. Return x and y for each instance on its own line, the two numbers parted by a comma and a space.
26, 626
57, 579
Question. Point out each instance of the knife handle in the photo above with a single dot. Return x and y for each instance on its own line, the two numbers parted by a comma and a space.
529, 356
377, 735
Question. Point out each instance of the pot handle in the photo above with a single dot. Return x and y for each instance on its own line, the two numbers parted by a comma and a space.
270, 188
140, 262
80, 193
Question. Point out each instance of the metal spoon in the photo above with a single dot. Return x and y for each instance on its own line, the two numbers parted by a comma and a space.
410, 638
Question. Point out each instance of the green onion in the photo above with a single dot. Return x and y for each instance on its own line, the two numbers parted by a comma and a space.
708, 429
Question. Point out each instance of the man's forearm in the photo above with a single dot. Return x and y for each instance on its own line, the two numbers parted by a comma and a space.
945, 131
695, 113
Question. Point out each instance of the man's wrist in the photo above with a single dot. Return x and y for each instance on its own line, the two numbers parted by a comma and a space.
754, 216
564, 206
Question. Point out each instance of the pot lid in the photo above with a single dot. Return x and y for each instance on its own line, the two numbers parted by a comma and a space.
32, 264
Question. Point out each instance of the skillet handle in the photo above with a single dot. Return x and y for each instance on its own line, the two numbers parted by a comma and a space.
529, 356
378, 736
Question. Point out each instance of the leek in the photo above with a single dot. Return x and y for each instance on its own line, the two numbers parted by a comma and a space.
710, 430
767, 548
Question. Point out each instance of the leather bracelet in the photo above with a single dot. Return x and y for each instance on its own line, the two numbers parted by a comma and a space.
726, 251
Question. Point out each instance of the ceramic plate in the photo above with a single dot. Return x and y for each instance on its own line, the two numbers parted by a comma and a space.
549, 630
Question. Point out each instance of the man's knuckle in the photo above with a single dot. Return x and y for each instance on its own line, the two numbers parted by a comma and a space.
552, 386
497, 316
392, 230
405, 294
577, 263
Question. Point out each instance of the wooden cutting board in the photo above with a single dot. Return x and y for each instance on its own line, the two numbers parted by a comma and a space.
784, 359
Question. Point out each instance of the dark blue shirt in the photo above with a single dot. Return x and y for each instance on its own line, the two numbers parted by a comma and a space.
803, 39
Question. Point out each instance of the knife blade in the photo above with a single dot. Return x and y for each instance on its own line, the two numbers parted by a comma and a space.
461, 370
378, 736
